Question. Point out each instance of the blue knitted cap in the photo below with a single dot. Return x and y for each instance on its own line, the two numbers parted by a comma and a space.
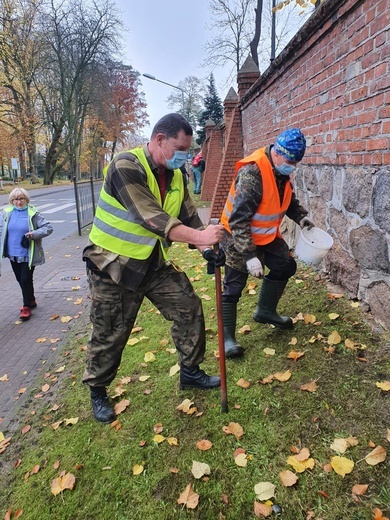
291, 144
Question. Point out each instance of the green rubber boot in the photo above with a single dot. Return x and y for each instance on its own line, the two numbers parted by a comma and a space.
270, 294
232, 348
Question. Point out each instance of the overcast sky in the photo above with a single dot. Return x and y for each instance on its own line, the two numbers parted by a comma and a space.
165, 38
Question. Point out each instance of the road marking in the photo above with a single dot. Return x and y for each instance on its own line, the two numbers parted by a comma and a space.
45, 206
59, 208
57, 221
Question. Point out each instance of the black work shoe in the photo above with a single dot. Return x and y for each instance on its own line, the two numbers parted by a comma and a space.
194, 377
102, 409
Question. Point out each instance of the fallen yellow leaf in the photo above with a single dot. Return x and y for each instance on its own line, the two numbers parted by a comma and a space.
159, 438
384, 385
138, 469
282, 376
264, 490
149, 357
174, 370
334, 338
61, 483
341, 465
300, 466
72, 420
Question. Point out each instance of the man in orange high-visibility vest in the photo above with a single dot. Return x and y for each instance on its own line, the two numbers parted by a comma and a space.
260, 195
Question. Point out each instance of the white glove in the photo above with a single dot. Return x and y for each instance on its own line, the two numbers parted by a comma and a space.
254, 267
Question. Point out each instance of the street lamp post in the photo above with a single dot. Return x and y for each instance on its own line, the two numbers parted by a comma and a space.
150, 76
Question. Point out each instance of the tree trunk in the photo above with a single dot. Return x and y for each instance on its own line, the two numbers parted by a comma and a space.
256, 38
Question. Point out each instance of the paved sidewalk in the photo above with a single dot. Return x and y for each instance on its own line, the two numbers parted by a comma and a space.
61, 289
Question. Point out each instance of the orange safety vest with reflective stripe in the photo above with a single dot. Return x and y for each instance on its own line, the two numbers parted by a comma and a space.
270, 212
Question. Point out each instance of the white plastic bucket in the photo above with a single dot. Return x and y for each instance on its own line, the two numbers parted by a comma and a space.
312, 245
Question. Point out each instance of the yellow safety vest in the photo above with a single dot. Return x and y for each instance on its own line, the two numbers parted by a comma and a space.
113, 228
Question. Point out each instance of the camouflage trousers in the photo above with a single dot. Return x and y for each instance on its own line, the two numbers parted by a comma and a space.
114, 310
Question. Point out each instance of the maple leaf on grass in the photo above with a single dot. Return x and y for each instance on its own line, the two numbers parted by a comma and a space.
188, 498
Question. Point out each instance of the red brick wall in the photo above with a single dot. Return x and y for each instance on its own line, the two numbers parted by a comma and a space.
332, 81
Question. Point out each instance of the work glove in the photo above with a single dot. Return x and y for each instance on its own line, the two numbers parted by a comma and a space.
217, 258
254, 267
305, 222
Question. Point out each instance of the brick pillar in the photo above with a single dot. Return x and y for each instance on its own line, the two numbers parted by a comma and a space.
232, 149
212, 154
247, 76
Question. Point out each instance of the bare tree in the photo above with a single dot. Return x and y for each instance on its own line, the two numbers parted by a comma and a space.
241, 27
232, 26
190, 100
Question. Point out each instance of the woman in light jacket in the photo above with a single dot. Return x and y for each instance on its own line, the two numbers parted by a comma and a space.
22, 228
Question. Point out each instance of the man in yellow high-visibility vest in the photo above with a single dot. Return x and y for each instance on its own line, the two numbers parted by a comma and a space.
143, 207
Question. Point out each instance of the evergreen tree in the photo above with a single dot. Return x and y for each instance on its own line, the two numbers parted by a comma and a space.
214, 110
